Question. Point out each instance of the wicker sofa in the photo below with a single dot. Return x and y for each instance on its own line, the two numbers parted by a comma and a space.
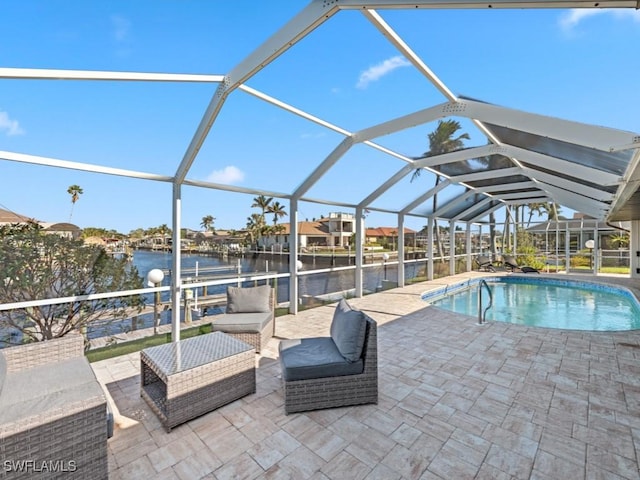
249, 315
335, 371
53, 412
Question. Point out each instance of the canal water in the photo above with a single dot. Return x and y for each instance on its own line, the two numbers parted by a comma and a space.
310, 286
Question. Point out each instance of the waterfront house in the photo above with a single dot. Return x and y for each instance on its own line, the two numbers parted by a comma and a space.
336, 230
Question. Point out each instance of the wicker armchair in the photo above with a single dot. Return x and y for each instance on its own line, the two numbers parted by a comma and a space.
250, 315
53, 412
343, 389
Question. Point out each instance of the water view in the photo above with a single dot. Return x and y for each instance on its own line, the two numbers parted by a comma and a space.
310, 286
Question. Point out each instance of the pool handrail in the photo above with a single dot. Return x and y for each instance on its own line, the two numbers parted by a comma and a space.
483, 315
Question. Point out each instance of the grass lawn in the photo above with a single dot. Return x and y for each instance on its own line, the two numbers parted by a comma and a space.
125, 348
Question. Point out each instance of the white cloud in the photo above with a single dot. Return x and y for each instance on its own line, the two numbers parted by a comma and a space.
121, 27
383, 68
571, 19
8, 126
228, 175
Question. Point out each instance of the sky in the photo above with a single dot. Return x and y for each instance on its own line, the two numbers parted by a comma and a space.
579, 65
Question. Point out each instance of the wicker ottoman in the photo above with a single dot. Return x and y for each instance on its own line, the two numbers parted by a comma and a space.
181, 381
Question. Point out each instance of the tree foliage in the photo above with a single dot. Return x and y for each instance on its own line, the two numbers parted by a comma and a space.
36, 266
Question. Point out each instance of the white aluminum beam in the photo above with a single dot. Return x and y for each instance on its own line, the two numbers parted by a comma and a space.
473, 208
485, 213
559, 165
84, 167
402, 123
630, 185
425, 196
457, 156
402, 47
524, 195
457, 201
321, 169
297, 28
502, 172
235, 188
291, 109
569, 185
523, 201
600, 138
417, 62
399, 175
506, 186
478, 4
307, 20
57, 74
334, 203
577, 202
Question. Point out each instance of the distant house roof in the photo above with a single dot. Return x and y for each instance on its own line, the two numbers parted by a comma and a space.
11, 217
59, 227
386, 231
307, 228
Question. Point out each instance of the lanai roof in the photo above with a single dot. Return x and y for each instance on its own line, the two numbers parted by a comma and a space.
528, 157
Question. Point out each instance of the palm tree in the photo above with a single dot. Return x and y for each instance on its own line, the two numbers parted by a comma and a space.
278, 211
207, 223
255, 226
262, 203
552, 210
537, 208
75, 191
441, 141
620, 238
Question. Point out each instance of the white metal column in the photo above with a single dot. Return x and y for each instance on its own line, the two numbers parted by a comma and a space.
452, 247
430, 249
400, 278
634, 249
596, 247
359, 249
176, 267
469, 265
293, 256
567, 248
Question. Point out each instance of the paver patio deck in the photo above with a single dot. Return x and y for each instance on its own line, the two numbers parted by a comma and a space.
457, 401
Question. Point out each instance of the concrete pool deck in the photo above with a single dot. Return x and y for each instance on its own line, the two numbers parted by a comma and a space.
457, 400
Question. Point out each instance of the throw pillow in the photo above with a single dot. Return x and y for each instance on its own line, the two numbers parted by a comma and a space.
249, 300
348, 330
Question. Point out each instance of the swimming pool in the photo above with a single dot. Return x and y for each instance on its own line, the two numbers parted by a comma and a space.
543, 302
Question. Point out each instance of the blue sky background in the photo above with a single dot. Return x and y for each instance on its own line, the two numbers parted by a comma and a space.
577, 65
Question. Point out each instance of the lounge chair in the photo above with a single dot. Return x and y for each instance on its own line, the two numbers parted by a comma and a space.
511, 263
335, 371
485, 264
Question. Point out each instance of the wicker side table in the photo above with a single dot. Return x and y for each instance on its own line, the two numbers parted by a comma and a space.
181, 381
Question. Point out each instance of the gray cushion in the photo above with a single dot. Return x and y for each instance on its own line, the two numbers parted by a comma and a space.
303, 359
3, 370
348, 330
241, 322
47, 387
248, 300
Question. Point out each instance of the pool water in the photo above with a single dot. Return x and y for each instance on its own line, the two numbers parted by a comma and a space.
547, 305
